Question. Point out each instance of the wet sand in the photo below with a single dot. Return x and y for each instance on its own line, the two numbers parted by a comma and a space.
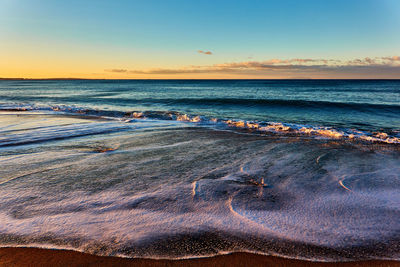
48, 257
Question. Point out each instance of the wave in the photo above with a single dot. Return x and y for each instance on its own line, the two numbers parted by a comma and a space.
273, 102
243, 102
257, 127
55, 133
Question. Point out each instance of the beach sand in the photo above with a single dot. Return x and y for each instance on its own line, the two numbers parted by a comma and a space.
49, 257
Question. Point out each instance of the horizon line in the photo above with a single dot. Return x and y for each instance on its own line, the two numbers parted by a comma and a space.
55, 79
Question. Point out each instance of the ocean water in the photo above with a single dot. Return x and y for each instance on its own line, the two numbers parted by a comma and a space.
305, 169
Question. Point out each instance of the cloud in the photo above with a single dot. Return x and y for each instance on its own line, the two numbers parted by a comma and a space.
204, 52
374, 61
117, 70
394, 58
361, 67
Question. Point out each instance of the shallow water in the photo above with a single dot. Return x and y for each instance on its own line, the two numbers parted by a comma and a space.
163, 185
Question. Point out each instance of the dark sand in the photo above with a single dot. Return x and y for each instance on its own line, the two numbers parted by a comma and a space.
48, 257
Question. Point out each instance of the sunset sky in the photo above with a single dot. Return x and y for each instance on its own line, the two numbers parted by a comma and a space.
200, 39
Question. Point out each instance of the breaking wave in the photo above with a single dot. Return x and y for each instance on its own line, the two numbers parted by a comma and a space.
259, 127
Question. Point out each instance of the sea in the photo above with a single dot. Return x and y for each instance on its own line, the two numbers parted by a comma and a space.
175, 169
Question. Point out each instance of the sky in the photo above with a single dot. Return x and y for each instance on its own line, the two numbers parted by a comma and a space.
174, 39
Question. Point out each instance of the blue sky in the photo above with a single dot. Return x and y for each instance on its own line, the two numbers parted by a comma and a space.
88, 37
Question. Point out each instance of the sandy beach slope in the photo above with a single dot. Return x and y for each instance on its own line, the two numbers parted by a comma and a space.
30, 257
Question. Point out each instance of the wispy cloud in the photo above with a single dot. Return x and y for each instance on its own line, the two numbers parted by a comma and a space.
204, 52
395, 58
117, 70
368, 67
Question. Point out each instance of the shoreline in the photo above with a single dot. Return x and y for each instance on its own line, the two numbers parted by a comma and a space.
24, 256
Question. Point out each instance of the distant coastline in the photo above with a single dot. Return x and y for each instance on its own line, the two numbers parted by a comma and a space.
38, 79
